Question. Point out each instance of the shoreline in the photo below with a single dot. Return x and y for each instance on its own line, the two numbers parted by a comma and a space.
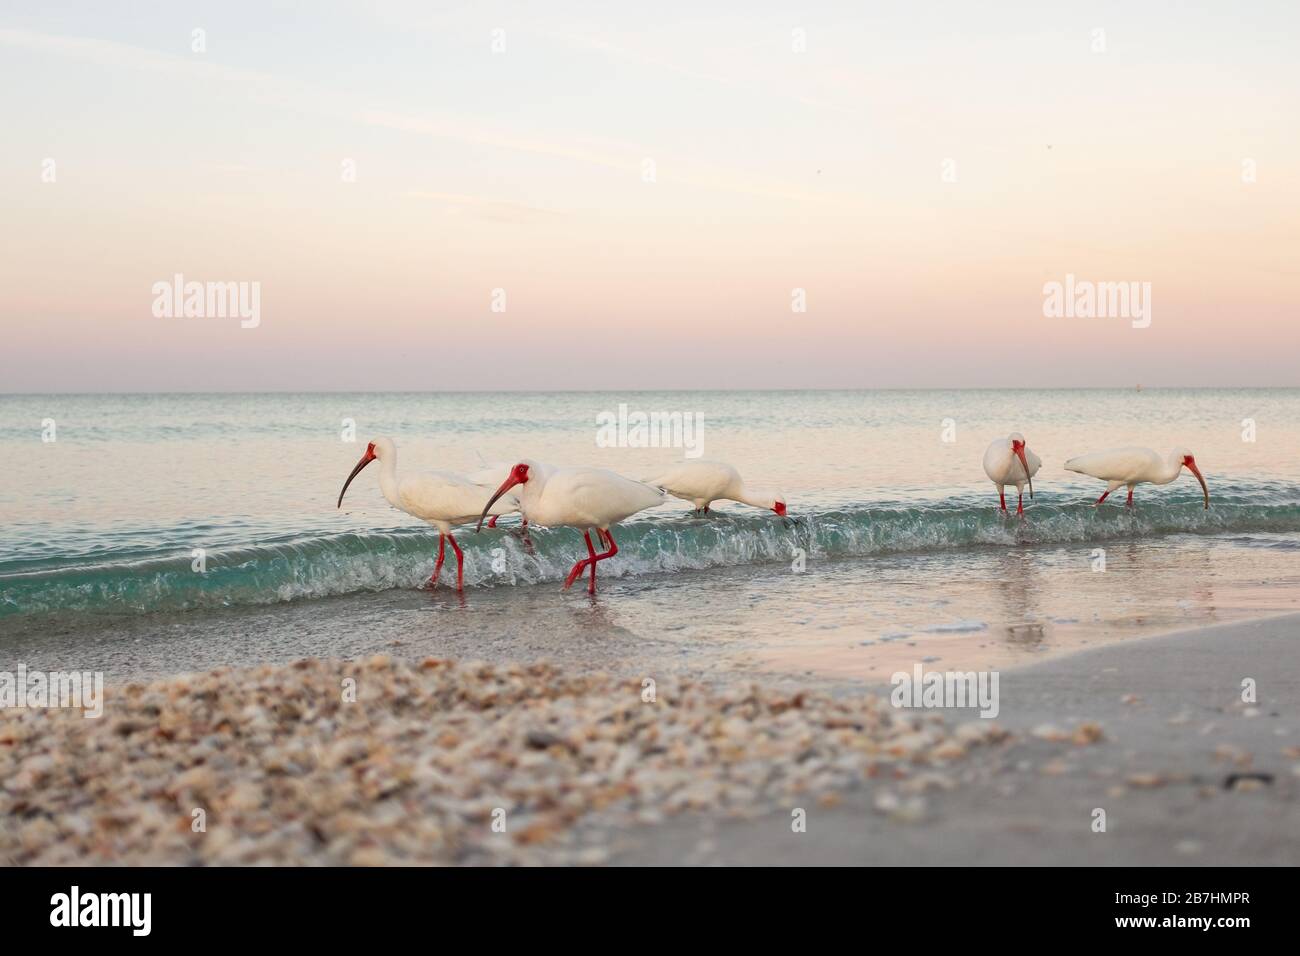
845, 621
586, 771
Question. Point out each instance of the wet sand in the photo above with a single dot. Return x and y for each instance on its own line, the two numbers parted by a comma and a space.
1007, 643
1187, 773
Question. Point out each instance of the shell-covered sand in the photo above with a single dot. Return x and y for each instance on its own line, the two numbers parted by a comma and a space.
437, 762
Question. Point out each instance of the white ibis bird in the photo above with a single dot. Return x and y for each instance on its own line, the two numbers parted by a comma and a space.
584, 498
441, 498
1008, 461
704, 482
1132, 466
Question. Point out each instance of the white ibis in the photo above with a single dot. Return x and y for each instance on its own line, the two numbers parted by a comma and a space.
441, 498
704, 482
584, 498
1008, 461
1132, 466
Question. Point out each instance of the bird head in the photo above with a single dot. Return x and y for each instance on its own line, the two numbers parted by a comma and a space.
1187, 460
779, 509
519, 474
1018, 448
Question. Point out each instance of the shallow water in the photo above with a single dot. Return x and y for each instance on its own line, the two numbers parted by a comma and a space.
900, 543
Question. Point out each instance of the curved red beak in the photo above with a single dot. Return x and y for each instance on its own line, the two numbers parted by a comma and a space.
1190, 462
366, 459
518, 475
1019, 448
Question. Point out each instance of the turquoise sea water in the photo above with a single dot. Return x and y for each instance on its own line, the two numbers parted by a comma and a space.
103, 521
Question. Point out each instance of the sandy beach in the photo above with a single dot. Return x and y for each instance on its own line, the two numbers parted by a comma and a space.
401, 761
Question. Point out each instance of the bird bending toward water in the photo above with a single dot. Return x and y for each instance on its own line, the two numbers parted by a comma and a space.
704, 482
1133, 466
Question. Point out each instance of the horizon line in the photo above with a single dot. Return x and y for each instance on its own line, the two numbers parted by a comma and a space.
584, 391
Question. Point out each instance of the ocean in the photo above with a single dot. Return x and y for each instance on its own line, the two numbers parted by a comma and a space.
142, 531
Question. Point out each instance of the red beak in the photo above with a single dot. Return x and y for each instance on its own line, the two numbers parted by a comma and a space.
366, 459
1019, 449
1191, 466
515, 478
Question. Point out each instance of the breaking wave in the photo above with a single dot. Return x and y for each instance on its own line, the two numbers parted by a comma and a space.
137, 577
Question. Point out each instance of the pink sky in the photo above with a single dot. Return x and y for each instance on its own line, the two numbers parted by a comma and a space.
776, 170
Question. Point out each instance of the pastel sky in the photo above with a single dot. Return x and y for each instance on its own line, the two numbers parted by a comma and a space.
921, 169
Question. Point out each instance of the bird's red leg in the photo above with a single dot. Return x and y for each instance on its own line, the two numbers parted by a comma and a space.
460, 563
613, 550
1020, 503
591, 551
576, 571
1102, 498
573, 574
1002, 499
442, 553
1129, 503
493, 522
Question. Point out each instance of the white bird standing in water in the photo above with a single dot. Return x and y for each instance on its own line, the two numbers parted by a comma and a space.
1009, 461
583, 498
441, 498
704, 482
1133, 466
